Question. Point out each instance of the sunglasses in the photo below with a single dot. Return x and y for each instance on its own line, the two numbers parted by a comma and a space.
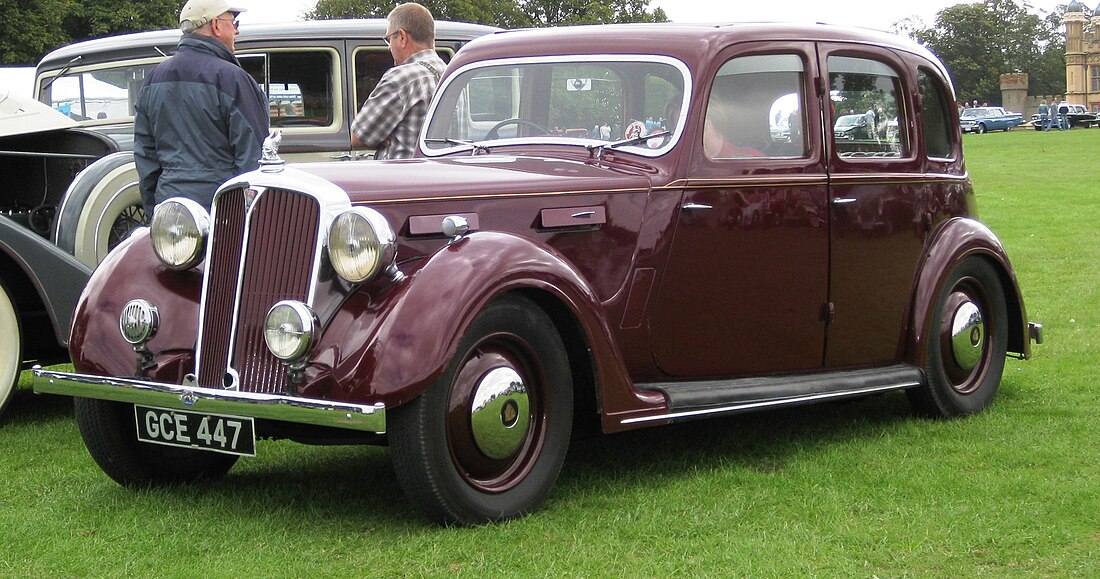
236, 23
387, 37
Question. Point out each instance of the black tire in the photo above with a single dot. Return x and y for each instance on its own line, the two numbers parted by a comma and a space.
101, 209
11, 346
981, 129
459, 474
110, 433
964, 361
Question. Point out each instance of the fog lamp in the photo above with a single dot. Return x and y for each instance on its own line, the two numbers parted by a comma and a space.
289, 330
179, 230
139, 322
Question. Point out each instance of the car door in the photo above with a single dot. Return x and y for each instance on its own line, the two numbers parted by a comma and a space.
876, 193
746, 280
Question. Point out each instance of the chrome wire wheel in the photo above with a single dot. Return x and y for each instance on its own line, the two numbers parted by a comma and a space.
128, 220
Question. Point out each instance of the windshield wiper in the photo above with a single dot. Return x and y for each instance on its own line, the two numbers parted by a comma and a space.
475, 148
598, 150
62, 73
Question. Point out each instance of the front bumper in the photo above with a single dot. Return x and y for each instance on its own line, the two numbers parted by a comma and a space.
362, 417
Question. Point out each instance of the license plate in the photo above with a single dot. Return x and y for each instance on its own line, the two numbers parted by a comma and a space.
214, 432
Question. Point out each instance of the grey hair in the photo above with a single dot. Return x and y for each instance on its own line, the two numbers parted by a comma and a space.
415, 20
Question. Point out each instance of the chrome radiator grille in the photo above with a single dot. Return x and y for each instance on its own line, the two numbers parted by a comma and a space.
277, 237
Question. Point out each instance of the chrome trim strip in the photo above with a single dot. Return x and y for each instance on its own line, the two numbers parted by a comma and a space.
363, 417
767, 403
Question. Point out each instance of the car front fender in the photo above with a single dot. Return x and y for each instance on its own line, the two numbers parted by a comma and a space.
389, 346
955, 240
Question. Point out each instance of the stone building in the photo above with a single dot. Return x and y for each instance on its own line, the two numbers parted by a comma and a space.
1082, 55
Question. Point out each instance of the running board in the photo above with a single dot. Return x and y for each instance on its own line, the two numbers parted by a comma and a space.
688, 400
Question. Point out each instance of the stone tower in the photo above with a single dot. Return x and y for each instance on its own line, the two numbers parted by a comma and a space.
1076, 61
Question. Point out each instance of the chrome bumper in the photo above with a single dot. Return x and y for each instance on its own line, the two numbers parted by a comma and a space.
369, 418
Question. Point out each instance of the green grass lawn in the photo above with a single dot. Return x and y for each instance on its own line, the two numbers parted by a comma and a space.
857, 489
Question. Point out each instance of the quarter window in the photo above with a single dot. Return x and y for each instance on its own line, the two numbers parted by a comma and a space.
938, 141
866, 108
756, 109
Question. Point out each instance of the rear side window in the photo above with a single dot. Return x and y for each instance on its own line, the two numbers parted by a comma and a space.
755, 108
938, 141
865, 99
299, 86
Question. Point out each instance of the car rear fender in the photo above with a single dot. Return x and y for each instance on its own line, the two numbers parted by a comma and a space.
955, 240
416, 327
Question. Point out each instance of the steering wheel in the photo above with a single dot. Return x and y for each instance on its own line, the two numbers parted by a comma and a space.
494, 132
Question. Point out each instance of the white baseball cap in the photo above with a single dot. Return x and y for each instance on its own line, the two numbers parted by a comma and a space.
198, 12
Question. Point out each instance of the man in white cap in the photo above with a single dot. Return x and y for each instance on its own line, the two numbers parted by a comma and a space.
393, 114
200, 119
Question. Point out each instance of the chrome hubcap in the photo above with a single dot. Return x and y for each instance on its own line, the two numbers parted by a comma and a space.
967, 335
500, 413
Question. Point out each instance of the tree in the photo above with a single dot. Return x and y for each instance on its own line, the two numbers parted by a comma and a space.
979, 42
31, 28
503, 13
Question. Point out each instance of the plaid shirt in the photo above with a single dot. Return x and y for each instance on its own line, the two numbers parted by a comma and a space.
393, 114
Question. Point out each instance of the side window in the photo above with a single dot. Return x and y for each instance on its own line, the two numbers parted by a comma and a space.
938, 142
299, 86
864, 96
371, 63
755, 108
107, 93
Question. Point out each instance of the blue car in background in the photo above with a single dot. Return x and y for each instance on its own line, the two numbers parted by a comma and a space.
982, 119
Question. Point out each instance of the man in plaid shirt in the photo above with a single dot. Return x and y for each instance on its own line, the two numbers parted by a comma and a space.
393, 114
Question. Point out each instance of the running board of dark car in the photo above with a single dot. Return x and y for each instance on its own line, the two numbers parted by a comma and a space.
687, 400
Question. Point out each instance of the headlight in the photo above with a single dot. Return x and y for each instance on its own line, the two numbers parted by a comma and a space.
360, 244
179, 230
138, 322
289, 330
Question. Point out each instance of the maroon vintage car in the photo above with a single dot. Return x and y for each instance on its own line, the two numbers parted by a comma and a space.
629, 225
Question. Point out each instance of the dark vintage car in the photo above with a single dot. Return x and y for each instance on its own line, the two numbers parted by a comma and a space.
72, 183
1077, 115
535, 273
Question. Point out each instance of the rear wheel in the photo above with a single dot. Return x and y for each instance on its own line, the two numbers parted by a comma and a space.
110, 433
11, 346
487, 440
966, 343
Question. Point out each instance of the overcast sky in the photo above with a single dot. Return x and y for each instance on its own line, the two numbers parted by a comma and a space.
878, 14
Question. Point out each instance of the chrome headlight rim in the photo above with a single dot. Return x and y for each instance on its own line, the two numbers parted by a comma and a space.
381, 242
200, 220
306, 319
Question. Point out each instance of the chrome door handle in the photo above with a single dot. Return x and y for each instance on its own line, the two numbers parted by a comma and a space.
694, 206
843, 200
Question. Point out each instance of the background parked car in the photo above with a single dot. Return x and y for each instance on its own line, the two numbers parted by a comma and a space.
1078, 116
69, 172
982, 119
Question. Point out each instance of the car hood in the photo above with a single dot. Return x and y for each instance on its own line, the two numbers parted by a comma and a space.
475, 176
21, 115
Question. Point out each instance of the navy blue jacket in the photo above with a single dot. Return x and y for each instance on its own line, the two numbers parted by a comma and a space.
199, 120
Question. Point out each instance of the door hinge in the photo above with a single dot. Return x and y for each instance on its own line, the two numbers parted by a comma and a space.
828, 311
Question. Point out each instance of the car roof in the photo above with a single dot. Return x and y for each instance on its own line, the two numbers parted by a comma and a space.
140, 44
682, 41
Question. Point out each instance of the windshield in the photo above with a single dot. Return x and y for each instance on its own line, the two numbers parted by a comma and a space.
593, 101
103, 94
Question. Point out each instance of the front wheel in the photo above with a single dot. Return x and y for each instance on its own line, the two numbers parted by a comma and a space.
966, 343
487, 440
101, 209
981, 129
110, 433
11, 346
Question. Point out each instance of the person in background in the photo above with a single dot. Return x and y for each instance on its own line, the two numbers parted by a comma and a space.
200, 119
1063, 116
392, 116
1044, 115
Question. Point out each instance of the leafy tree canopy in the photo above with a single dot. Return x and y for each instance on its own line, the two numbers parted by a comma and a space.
31, 28
503, 13
980, 41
